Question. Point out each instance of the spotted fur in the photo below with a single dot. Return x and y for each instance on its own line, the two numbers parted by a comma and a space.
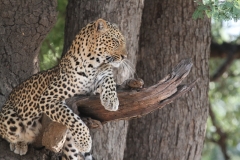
85, 68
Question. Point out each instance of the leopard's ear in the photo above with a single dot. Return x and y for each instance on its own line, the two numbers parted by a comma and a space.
101, 26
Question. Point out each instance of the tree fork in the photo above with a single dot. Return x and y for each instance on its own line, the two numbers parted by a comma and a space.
133, 103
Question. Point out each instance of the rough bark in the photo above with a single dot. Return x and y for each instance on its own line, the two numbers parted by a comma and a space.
23, 26
127, 15
168, 33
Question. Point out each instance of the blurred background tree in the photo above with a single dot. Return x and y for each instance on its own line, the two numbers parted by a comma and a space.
222, 140
222, 136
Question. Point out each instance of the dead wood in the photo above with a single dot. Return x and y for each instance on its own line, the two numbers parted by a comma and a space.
136, 103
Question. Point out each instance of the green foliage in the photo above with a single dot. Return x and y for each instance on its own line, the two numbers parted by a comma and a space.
52, 46
218, 9
212, 152
217, 29
224, 100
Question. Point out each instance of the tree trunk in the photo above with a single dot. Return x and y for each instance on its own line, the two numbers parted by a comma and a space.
168, 34
167, 30
23, 26
109, 142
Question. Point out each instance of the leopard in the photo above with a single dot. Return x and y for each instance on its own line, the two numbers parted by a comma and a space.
87, 67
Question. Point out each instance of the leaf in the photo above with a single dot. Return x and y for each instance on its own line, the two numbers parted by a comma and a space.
218, 10
208, 13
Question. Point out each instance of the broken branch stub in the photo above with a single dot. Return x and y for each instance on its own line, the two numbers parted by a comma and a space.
135, 103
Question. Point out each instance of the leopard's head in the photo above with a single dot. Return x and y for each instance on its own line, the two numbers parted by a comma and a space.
103, 43
110, 42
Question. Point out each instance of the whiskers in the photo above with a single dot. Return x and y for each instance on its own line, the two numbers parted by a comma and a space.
124, 65
127, 68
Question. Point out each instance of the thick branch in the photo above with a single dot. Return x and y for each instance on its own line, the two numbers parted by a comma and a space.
138, 103
223, 50
223, 67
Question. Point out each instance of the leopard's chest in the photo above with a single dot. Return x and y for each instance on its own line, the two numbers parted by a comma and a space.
81, 81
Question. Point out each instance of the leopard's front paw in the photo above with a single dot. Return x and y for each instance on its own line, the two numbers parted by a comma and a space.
110, 101
19, 148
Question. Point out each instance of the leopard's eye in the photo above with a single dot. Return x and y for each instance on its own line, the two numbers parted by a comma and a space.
108, 58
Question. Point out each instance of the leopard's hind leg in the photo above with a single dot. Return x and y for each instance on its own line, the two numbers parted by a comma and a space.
19, 132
